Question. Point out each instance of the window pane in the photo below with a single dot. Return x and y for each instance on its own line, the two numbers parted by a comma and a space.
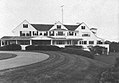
82, 27
25, 25
58, 26
85, 35
91, 42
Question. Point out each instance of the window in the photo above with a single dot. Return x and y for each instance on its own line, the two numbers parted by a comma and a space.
25, 33
58, 26
24, 42
35, 33
46, 33
69, 42
82, 42
91, 42
60, 42
40, 33
82, 27
71, 33
51, 33
85, 35
60, 33
99, 42
25, 25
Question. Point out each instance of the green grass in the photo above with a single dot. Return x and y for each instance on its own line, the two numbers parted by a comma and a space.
6, 56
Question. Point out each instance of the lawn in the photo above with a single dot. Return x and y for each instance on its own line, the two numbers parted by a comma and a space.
6, 56
109, 59
59, 68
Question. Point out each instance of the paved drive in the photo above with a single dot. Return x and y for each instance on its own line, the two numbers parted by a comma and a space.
23, 58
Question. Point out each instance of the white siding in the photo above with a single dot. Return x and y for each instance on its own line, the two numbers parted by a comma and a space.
19, 28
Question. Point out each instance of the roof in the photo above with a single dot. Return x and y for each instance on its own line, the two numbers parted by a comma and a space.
46, 27
15, 38
71, 27
42, 27
41, 38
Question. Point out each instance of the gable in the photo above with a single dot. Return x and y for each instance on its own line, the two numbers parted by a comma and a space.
21, 27
85, 30
58, 24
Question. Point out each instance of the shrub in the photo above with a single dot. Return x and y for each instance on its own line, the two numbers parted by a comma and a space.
114, 47
117, 62
45, 48
99, 50
77, 47
78, 52
11, 47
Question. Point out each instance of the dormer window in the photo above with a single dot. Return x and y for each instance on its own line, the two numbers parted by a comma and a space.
25, 25
82, 27
58, 26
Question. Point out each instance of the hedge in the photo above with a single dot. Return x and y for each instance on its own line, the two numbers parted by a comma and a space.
98, 49
11, 47
78, 52
45, 48
117, 62
77, 47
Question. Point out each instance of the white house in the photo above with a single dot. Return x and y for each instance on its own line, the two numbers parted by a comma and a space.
57, 34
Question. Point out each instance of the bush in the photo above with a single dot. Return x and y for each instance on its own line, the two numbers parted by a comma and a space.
77, 47
78, 52
99, 50
117, 62
114, 47
45, 48
11, 47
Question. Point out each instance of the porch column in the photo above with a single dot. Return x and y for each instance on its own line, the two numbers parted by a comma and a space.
1, 43
16, 42
7, 42
30, 42
51, 42
71, 42
48, 33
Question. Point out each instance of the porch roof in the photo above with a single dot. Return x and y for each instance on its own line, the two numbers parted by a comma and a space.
67, 38
15, 38
41, 38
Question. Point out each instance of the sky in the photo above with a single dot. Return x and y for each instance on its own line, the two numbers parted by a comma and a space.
100, 14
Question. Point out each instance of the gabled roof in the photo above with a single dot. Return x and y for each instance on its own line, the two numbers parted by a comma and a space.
71, 27
42, 27
46, 27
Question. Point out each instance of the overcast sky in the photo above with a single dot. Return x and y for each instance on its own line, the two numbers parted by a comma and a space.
101, 14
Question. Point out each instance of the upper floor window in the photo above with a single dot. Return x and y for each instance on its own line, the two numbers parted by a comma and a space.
25, 33
99, 42
86, 35
24, 42
25, 25
71, 33
46, 33
82, 42
35, 33
82, 27
51, 33
91, 42
58, 26
60, 33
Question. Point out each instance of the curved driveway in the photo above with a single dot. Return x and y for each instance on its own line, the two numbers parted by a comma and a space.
23, 58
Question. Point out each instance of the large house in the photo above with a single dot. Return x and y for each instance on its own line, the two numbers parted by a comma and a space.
57, 34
